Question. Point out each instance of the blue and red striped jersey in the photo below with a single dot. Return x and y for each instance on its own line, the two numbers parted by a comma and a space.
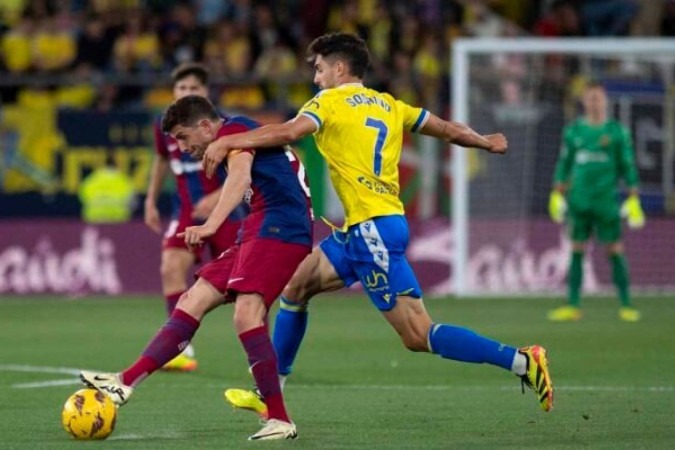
279, 196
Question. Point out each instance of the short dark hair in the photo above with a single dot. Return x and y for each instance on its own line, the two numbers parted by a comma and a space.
348, 47
187, 112
187, 69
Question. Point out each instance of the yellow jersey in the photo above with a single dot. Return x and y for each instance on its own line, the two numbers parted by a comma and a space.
360, 134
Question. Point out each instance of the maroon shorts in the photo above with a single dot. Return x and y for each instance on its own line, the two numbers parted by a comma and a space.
224, 238
261, 266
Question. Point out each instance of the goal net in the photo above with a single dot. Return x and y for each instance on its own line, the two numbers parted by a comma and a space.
503, 241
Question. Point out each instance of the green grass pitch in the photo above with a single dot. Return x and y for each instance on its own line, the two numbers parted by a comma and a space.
354, 385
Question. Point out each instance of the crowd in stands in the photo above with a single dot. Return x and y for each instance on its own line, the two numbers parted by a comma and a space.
113, 52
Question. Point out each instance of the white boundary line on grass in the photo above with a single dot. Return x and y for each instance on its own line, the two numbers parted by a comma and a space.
378, 387
38, 369
42, 369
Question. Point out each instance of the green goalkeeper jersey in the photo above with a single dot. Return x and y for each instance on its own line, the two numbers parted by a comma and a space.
593, 159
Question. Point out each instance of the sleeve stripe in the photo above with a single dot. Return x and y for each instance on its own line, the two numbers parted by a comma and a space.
421, 120
314, 117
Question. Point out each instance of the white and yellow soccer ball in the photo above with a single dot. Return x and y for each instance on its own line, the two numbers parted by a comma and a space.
89, 414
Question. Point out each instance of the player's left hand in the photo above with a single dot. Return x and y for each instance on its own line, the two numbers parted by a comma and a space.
214, 155
498, 143
196, 235
631, 209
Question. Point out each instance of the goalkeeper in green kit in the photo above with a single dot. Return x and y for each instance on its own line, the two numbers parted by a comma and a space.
596, 155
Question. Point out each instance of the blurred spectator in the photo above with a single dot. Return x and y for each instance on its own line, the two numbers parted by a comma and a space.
668, 18
210, 12
265, 33
228, 51
243, 96
379, 37
648, 19
608, 17
254, 41
480, 21
137, 48
54, 44
520, 12
95, 44
15, 46
428, 65
108, 6
406, 35
562, 19
276, 62
182, 37
402, 81
107, 195
313, 19
240, 11
11, 11
512, 69
345, 17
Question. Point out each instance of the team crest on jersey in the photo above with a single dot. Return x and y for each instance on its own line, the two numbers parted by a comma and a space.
248, 196
605, 140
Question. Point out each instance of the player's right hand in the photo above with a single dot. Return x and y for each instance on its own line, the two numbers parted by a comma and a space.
151, 218
196, 235
557, 206
498, 143
214, 155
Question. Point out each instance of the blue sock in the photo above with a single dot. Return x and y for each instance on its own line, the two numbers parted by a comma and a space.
462, 344
289, 330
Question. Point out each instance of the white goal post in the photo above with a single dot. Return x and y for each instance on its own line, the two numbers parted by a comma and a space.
657, 51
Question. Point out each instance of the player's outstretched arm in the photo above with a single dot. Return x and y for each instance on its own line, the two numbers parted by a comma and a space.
460, 134
266, 136
231, 194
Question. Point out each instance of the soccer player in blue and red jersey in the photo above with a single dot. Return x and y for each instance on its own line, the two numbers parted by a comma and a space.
275, 238
196, 195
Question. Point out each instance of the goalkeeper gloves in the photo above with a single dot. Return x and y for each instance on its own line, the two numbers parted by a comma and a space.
557, 207
632, 211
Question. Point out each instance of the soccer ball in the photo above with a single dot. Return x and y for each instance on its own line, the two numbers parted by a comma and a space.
89, 414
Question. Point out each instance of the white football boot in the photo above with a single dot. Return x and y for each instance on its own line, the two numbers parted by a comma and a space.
108, 384
275, 429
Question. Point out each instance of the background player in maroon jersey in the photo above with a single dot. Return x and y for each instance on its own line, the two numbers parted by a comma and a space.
275, 237
196, 195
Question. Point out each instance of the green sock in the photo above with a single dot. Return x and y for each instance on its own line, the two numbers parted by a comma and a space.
620, 277
575, 278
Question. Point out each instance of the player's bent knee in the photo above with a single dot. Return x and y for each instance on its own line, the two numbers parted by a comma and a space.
415, 342
199, 299
249, 312
299, 291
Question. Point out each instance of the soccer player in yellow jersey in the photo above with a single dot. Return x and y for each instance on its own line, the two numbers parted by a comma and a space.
359, 131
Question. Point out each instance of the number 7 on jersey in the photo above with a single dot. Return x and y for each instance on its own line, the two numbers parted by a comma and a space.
382, 130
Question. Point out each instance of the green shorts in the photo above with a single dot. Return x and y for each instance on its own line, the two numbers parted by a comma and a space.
605, 224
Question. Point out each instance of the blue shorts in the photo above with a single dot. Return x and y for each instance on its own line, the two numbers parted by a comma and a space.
373, 252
